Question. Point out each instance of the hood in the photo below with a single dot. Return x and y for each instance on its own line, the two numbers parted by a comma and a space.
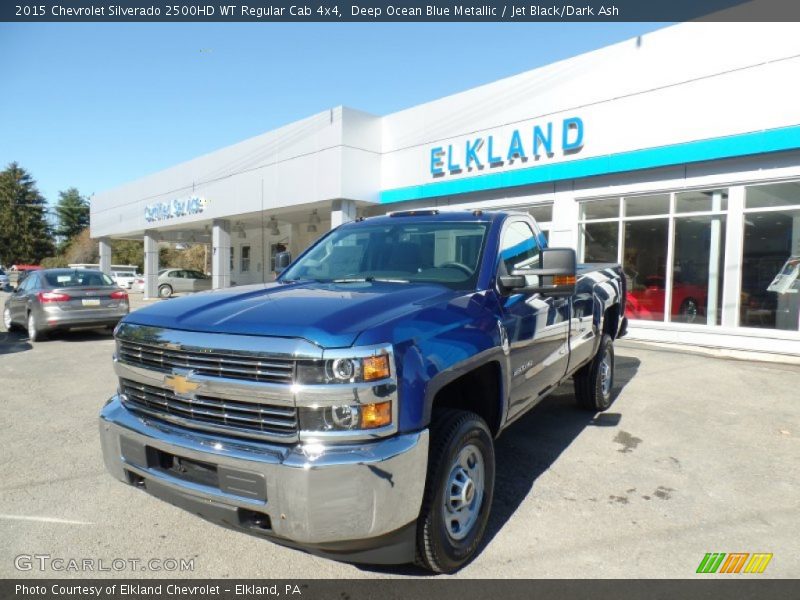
330, 315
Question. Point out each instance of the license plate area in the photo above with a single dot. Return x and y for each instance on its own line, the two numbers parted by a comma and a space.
193, 471
249, 485
90, 302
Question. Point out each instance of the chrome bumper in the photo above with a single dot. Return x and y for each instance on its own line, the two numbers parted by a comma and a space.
313, 494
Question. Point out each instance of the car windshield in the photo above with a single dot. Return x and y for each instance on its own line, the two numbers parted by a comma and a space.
442, 252
77, 278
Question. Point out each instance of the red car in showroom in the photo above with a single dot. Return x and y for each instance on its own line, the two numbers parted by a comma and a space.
647, 302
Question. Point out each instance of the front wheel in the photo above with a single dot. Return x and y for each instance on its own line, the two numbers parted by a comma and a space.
458, 491
7, 322
593, 382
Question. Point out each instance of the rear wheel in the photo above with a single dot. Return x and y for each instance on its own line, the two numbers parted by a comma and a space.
164, 291
35, 334
458, 491
593, 382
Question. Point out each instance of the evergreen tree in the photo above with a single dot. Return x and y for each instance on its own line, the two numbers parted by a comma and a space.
25, 235
73, 216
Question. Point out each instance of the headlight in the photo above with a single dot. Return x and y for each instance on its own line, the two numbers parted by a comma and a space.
345, 417
344, 370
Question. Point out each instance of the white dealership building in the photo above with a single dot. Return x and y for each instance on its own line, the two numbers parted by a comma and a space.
676, 154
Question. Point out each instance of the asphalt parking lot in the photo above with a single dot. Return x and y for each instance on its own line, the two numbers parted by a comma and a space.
696, 455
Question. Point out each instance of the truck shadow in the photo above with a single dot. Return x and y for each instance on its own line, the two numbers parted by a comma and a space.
529, 447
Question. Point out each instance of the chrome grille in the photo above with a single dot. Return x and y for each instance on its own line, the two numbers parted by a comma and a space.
217, 364
213, 414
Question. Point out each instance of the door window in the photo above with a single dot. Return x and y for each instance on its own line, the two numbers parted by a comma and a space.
519, 249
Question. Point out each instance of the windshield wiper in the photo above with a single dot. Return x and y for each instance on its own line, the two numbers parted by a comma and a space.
369, 280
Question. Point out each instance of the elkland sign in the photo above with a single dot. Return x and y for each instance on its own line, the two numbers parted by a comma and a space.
496, 150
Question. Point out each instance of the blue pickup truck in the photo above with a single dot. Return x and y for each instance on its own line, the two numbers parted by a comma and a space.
350, 408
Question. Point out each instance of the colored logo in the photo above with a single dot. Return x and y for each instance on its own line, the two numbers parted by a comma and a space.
735, 562
180, 384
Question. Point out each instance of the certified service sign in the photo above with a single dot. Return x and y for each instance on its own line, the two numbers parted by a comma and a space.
179, 207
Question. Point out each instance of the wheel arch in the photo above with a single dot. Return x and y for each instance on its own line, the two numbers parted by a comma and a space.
479, 385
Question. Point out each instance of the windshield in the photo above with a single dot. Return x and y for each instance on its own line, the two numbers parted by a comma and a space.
445, 253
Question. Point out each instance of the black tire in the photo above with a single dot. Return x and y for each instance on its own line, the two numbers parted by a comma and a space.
35, 333
164, 291
594, 382
454, 432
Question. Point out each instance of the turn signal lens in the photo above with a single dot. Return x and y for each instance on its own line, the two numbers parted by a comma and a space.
563, 279
375, 367
376, 415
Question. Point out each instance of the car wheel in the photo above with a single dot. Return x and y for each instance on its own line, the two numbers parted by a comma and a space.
689, 310
594, 381
7, 322
458, 491
35, 334
164, 291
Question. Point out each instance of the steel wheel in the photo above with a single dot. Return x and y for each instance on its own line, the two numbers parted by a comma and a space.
594, 382
606, 374
458, 491
464, 492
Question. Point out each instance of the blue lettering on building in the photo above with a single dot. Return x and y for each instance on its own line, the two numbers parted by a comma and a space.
474, 153
178, 207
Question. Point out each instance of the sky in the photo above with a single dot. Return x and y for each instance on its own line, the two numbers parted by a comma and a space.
93, 106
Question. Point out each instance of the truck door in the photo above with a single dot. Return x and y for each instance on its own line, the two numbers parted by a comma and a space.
537, 326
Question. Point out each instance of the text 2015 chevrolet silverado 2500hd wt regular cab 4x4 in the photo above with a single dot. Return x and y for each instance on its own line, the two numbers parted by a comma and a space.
350, 407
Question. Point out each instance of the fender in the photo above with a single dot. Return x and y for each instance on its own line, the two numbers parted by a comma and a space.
443, 378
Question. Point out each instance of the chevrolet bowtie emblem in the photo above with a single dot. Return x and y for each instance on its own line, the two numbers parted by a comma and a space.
180, 384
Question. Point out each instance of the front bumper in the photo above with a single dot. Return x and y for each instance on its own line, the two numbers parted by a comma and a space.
343, 500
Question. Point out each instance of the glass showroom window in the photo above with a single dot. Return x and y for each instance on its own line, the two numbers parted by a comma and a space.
698, 257
770, 291
543, 213
244, 265
647, 234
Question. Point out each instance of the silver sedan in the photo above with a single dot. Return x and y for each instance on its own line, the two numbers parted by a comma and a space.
65, 299
181, 280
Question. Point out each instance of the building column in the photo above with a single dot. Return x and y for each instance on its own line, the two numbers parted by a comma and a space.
564, 231
734, 244
221, 254
715, 250
105, 255
342, 211
150, 265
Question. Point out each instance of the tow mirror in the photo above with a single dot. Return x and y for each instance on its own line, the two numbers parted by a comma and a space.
556, 276
282, 260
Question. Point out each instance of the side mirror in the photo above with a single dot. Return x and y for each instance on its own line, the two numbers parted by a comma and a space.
282, 260
556, 276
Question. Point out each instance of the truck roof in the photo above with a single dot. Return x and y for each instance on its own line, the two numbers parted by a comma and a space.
479, 216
